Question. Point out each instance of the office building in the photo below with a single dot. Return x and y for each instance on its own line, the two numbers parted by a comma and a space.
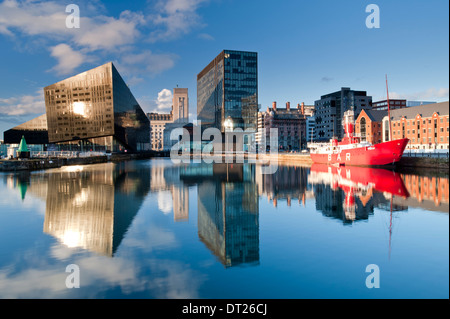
329, 111
162, 124
180, 105
158, 123
95, 110
393, 104
310, 129
227, 91
290, 124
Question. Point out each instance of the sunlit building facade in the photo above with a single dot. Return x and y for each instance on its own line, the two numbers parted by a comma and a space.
227, 89
95, 110
426, 126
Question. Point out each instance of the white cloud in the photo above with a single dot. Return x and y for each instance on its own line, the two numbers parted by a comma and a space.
206, 36
68, 59
25, 104
33, 18
164, 101
47, 19
175, 18
153, 63
165, 202
432, 94
107, 32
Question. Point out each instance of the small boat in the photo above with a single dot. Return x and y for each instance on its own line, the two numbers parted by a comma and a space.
352, 151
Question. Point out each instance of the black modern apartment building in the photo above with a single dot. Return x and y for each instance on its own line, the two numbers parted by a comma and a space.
227, 91
329, 111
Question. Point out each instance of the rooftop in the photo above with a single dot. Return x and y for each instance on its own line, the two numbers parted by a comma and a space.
426, 110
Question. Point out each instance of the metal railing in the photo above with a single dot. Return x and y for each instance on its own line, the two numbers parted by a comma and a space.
64, 154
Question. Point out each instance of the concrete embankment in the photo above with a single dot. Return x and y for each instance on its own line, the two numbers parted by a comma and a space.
288, 159
424, 162
39, 164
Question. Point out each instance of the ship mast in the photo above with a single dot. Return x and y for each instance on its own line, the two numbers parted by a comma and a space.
389, 110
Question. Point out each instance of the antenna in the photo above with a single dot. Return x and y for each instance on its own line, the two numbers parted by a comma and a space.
389, 109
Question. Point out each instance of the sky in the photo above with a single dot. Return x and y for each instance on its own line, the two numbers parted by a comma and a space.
305, 48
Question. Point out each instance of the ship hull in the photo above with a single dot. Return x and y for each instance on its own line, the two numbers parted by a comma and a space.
375, 155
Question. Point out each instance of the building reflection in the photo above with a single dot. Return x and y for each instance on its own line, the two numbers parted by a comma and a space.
228, 212
166, 177
92, 207
287, 183
427, 192
351, 193
89, 207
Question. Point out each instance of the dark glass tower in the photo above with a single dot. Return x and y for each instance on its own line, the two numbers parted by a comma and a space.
227, 89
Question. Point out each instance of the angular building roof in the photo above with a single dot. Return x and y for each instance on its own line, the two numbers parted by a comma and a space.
426, 110
375, 115
35, 132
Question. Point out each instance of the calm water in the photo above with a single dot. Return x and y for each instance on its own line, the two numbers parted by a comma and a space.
152, 229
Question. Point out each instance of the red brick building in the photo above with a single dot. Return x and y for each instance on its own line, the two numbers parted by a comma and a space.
426, 126
368, 125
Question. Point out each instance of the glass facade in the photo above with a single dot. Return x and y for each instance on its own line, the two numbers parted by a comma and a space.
228, 89
96, 107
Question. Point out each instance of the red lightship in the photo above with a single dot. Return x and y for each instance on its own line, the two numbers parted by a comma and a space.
351, 151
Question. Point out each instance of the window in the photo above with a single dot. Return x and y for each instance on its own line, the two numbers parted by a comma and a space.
363, 128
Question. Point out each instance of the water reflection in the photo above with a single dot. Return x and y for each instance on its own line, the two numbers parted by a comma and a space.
228, 211
287, 183
89, 207
352, 193
92, 207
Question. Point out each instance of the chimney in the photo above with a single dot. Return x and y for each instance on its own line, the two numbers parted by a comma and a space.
298, 106
303, 108
274, 106
288, 106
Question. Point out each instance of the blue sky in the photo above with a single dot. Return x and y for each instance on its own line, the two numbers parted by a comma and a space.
305, 48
